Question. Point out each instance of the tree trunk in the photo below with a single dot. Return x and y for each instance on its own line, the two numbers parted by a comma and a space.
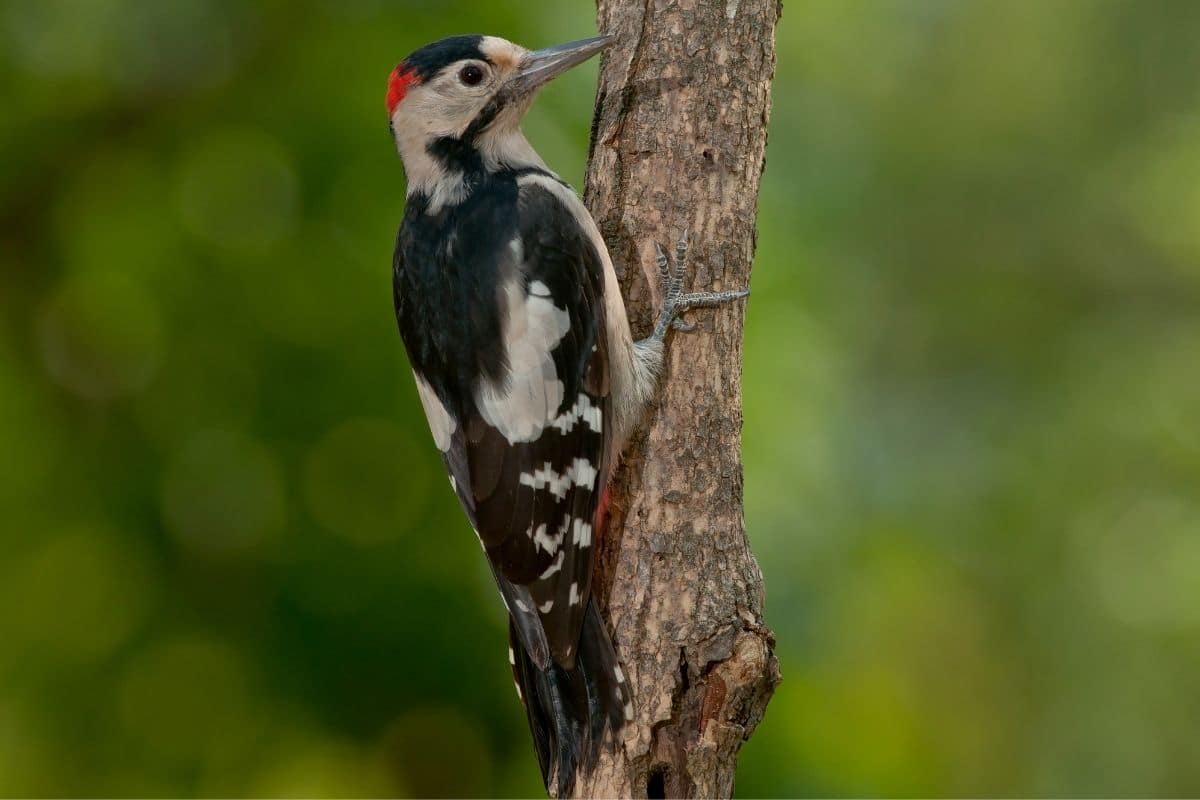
679, 143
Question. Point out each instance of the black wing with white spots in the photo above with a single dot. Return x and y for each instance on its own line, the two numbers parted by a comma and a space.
500, 304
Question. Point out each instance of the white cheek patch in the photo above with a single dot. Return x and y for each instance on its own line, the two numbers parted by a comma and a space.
423, 173
524, 404
441, 424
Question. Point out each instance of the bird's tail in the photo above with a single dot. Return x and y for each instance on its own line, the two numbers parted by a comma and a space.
573, 712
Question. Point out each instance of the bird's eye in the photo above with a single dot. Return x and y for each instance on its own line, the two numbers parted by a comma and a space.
470, 75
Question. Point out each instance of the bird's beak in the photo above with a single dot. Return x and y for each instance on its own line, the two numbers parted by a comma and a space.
541, 66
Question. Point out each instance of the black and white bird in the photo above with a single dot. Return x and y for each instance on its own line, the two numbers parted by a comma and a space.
514, 324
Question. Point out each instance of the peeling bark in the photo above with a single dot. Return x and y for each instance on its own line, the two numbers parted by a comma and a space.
679, 142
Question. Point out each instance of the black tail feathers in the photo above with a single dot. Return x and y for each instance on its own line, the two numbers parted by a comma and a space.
573, 712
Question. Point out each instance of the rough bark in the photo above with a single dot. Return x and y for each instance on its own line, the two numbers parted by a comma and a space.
679, 143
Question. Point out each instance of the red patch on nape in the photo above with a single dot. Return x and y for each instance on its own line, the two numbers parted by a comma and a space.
402, 78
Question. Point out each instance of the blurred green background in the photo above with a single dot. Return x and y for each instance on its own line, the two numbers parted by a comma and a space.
230, 563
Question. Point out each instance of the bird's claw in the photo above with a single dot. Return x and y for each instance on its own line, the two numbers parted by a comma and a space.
675, 301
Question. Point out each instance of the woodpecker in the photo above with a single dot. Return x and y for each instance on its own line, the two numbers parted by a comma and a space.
514, 324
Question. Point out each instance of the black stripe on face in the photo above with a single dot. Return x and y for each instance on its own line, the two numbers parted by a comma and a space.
432, 58
460, 153
485, 117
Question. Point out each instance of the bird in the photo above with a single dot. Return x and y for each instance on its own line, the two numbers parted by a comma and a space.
509, 309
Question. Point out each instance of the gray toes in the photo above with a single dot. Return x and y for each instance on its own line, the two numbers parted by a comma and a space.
708, 299
660, 257
681, 326
674, 302
681, 249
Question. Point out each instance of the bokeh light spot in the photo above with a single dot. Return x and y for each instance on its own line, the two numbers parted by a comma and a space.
201, 385
237, 189
188, 699
223, 494
439, 753
1158, 182
101, 335
358, 482
1142, 555
102, 219
75, 597
320, 766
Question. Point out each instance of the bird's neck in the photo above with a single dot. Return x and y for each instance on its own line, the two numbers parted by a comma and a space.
508, 149
445, 169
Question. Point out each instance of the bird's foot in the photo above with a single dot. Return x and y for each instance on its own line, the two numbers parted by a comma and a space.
675, 300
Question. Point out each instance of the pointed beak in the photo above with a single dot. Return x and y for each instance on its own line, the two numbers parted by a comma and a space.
541, 66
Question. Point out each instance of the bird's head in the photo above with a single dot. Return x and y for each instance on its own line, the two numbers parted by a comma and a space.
463, 98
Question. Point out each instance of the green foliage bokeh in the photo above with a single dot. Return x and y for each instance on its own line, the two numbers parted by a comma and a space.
230, 563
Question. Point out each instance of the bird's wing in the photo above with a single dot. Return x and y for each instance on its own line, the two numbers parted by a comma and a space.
528, 452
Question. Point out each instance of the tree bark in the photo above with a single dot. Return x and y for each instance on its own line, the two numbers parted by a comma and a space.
678, 144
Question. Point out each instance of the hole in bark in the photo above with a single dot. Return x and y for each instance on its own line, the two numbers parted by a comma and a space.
656, 787
708, 155
684, 683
